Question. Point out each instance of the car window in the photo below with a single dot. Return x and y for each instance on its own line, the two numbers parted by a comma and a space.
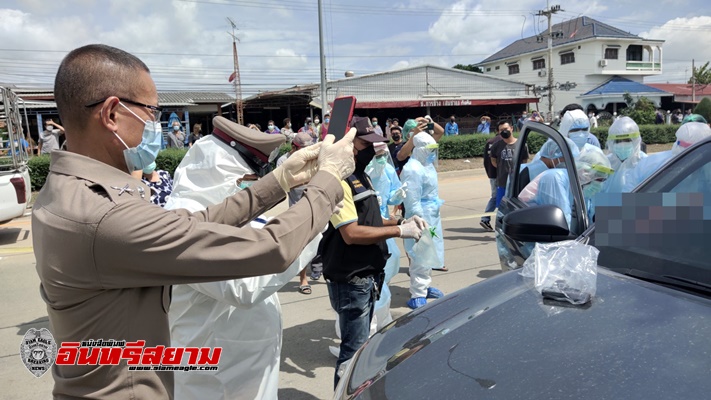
670, 218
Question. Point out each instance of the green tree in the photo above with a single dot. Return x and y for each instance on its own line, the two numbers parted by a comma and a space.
704, 108
641, 111
468, 67
702, 75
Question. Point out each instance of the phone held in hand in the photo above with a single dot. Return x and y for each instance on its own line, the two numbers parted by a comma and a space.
341, 116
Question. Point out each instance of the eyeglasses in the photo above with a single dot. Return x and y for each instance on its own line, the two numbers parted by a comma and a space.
155, 110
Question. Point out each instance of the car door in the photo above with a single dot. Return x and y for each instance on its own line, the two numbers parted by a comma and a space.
513, 253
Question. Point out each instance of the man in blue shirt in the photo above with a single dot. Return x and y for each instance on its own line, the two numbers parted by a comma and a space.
451, 128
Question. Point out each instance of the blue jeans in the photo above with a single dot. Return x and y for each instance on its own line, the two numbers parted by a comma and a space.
354, 302
500, 192
491, 205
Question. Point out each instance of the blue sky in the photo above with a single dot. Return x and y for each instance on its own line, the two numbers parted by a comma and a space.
186, 45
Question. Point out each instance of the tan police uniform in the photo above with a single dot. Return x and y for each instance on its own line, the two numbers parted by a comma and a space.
106, 257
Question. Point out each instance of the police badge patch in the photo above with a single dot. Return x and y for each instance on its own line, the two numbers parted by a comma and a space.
38, 351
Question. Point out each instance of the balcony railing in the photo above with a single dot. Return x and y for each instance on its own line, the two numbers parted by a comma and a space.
643, 66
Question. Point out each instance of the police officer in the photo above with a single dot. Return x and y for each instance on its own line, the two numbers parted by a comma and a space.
353, 248
106, 256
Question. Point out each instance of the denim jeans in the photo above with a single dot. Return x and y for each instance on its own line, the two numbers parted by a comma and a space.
500, 192
354, 302
491, 205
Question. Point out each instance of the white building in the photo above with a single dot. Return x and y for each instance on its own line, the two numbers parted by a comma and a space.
585, 52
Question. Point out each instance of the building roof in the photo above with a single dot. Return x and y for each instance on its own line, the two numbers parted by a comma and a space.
573, 31
682, 89
619, 85
193, 98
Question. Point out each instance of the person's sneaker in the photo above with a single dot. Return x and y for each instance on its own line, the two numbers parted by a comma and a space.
434, 293
335, 350
416, 302
315, 277
486, 225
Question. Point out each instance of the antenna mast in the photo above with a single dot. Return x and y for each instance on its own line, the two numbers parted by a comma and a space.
236, 81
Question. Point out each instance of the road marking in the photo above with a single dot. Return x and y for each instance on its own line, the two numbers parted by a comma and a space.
16, 250
490, 214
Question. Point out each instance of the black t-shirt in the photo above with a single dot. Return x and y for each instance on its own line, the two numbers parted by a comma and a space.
394, 149
504, 154
490, 168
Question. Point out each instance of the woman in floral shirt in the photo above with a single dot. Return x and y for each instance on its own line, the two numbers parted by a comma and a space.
160, 183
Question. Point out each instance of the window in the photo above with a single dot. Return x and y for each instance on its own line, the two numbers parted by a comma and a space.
567, 58
497, 68
634, 52
539, 64
488, 69
513, 69
611, 54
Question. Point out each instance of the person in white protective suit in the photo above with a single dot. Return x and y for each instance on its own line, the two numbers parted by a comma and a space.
549, 156
623, 142
575, 125
553, 186
422, 199
243, 316
390, 193
687, 135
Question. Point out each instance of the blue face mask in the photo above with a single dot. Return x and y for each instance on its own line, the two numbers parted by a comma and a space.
145, 153
327, 120
245, 184
579, 138
431, 158
591, 189
176, 128
623, 150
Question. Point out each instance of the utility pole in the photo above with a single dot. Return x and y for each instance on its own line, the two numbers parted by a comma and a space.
236, 80
693, 82
324, 100
548, 13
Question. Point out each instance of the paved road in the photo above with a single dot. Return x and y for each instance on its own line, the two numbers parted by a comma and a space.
307, 366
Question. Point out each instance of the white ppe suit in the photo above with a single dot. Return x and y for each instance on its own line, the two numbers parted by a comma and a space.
623, 141
387, 185
243, 316
422, 199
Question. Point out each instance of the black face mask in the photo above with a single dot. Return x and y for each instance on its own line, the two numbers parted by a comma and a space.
396, 138
505, 134
363, 158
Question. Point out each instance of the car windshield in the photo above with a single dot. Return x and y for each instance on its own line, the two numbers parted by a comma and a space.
660, 232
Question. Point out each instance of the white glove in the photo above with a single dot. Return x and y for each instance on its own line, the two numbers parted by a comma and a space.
298, 168
410, 230
337, 158
420, 222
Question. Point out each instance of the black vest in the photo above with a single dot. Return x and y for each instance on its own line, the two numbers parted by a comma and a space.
342, 261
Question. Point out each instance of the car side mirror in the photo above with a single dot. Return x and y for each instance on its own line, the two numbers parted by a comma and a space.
544, 223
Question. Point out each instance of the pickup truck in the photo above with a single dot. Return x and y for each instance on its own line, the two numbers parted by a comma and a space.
15, 186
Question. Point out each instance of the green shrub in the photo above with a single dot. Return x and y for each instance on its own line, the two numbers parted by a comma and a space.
169, 159
704, 108
651, 134
39, 169
462, 146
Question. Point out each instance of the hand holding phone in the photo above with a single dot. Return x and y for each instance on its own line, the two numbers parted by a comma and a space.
341, 116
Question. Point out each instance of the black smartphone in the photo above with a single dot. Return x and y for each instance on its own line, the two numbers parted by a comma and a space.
430, 127
341, 116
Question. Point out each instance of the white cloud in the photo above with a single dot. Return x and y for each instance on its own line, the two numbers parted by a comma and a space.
685, 38
287, 58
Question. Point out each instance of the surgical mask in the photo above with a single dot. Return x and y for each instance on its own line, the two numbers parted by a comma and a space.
150, 168
364, 157
579, 138
48, 127
271, 127
375, 123
288, 125
381, 160
431, 158
316, 121
591, 189
326, 120
176, 128
623, 150
145, 153
397, 138
505, 134
245, 184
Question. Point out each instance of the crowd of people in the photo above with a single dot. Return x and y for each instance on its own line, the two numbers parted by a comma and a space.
191, 260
